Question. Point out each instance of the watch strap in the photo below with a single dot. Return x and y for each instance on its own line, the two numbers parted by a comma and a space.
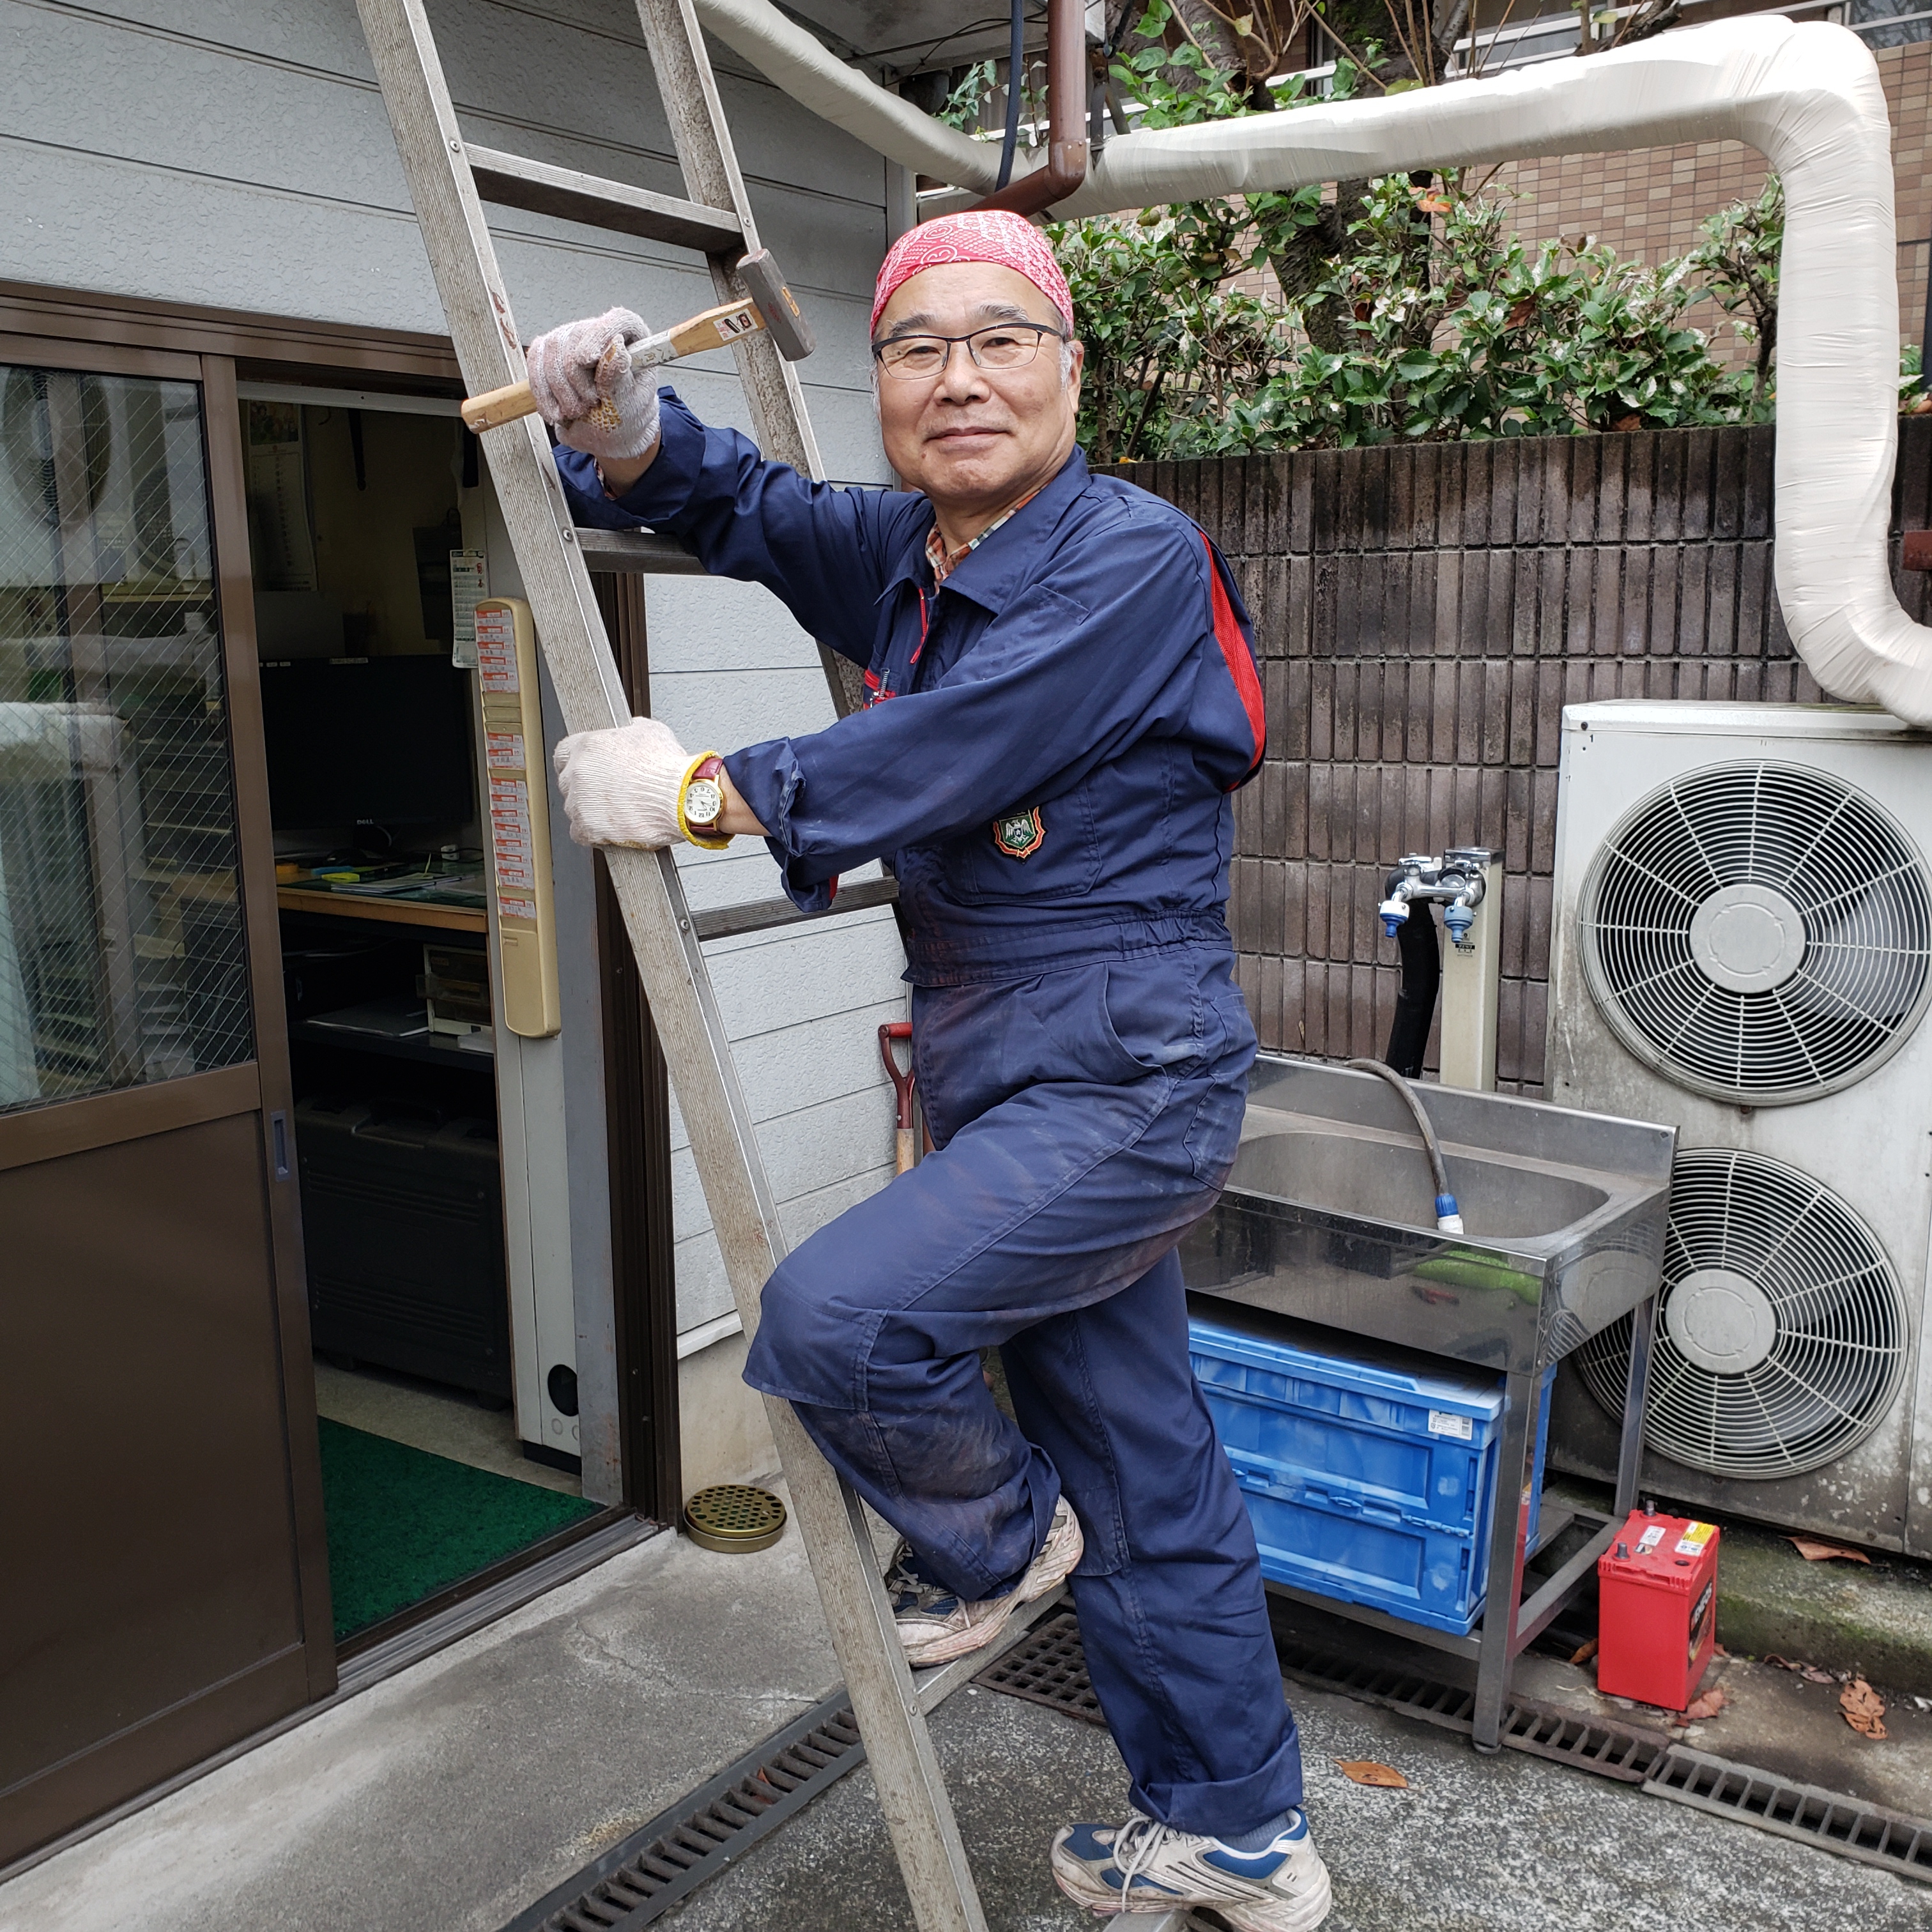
701, 832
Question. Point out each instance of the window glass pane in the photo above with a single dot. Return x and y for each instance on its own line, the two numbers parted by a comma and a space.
121, 959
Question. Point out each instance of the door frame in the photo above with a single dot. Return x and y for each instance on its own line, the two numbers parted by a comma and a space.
83, 330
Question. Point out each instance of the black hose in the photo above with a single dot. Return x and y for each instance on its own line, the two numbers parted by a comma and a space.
1413, 1101
1015, 81
1421, 979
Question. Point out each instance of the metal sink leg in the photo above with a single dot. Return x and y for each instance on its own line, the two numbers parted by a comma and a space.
1523, 1393
1509, 1624
1636, 1390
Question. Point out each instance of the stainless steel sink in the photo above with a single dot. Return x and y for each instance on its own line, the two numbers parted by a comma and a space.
1329, 1215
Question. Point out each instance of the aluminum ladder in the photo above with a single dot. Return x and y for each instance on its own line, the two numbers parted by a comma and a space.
449, 180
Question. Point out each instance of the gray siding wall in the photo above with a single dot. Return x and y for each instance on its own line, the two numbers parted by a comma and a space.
236, 154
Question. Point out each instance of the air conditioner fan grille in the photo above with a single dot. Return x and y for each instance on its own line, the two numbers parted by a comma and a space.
1781, 1332
1761, 933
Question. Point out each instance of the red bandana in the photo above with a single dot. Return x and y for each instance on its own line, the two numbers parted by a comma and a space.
993, 234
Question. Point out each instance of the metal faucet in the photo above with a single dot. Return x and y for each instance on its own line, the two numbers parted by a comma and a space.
1456, 881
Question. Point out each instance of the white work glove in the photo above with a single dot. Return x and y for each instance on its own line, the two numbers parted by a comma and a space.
620, 787
581, 375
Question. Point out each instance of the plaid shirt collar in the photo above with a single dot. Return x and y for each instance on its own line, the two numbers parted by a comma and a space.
944, 563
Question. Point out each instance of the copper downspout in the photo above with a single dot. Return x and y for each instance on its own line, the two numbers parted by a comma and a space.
1066, 82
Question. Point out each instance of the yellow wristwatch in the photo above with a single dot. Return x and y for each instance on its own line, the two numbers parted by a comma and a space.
701, 803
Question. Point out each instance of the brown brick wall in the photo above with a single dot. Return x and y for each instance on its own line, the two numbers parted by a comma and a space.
1649, 202
1424, 613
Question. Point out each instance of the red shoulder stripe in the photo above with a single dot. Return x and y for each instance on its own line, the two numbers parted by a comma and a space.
1239, 659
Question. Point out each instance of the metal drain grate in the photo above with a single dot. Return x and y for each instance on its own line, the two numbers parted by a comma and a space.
1403, 1691
1625, 1752
1049, 1668
636, 1882
1628, 1752
1828, 1819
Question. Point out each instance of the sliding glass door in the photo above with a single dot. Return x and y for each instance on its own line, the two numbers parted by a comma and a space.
163, 1591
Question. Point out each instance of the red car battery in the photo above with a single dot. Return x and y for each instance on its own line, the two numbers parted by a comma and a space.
1657, 1617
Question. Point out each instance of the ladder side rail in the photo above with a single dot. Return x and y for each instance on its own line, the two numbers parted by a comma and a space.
570, 628
912, 1792
702, 138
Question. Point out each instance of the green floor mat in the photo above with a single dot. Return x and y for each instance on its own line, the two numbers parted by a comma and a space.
403, 1524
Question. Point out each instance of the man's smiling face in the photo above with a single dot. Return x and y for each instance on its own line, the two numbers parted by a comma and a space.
972, 439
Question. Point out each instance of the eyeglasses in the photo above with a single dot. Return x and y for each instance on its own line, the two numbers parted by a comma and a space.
1007, 345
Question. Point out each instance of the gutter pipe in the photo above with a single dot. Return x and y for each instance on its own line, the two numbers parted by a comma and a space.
1806, 97
1066, 92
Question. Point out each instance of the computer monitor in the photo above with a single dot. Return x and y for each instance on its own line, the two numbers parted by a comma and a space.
383, 741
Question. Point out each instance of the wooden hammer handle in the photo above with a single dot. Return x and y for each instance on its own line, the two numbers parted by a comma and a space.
711, 328
499, 407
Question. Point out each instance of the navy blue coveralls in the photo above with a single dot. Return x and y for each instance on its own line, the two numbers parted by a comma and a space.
1046, 758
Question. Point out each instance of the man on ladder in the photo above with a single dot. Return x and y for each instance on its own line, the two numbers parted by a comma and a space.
1062, 695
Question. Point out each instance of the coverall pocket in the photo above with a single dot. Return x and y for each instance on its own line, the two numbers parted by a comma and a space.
1034, 854
1214, 1134
1154, 1012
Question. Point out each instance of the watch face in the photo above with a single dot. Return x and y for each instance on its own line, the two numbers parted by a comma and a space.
703, 800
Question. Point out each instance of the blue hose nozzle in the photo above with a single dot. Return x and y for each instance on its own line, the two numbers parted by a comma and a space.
1457, 919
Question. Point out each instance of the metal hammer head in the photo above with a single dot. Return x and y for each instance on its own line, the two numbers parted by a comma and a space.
789, 331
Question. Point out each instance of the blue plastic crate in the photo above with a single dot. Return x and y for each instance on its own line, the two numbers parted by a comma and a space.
1368, 1473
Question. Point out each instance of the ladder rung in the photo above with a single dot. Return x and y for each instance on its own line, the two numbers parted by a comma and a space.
761, 915
625, 550
512, 180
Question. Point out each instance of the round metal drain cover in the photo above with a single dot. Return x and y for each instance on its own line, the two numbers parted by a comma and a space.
734, 1517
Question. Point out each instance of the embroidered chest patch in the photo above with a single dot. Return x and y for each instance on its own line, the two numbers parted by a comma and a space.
1020, 834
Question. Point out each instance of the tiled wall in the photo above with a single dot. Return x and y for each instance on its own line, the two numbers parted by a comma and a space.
1424, 613
1648, 202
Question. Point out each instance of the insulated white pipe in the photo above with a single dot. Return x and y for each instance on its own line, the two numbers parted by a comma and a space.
791, 59
1806, 97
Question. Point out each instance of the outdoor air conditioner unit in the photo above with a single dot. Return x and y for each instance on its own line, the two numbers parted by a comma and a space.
1741, 946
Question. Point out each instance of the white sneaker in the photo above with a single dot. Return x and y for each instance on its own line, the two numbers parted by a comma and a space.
1142, 1866
935, 1626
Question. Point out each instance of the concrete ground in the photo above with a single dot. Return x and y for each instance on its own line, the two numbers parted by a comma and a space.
1874, 1617
449, 1797
1509, 1844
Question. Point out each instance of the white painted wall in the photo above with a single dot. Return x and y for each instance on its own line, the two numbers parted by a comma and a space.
236, 154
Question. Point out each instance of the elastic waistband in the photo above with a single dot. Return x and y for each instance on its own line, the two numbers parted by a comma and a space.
1016, 952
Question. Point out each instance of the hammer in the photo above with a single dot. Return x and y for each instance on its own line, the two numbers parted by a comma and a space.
770, 305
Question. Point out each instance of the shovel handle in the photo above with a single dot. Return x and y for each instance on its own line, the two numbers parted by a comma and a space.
906, 1137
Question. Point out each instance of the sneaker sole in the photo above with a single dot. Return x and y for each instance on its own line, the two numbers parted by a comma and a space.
963, 1643
1274, 1915
1041, 1578
1302, 1916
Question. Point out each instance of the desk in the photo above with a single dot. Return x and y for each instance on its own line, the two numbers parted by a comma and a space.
389, 911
